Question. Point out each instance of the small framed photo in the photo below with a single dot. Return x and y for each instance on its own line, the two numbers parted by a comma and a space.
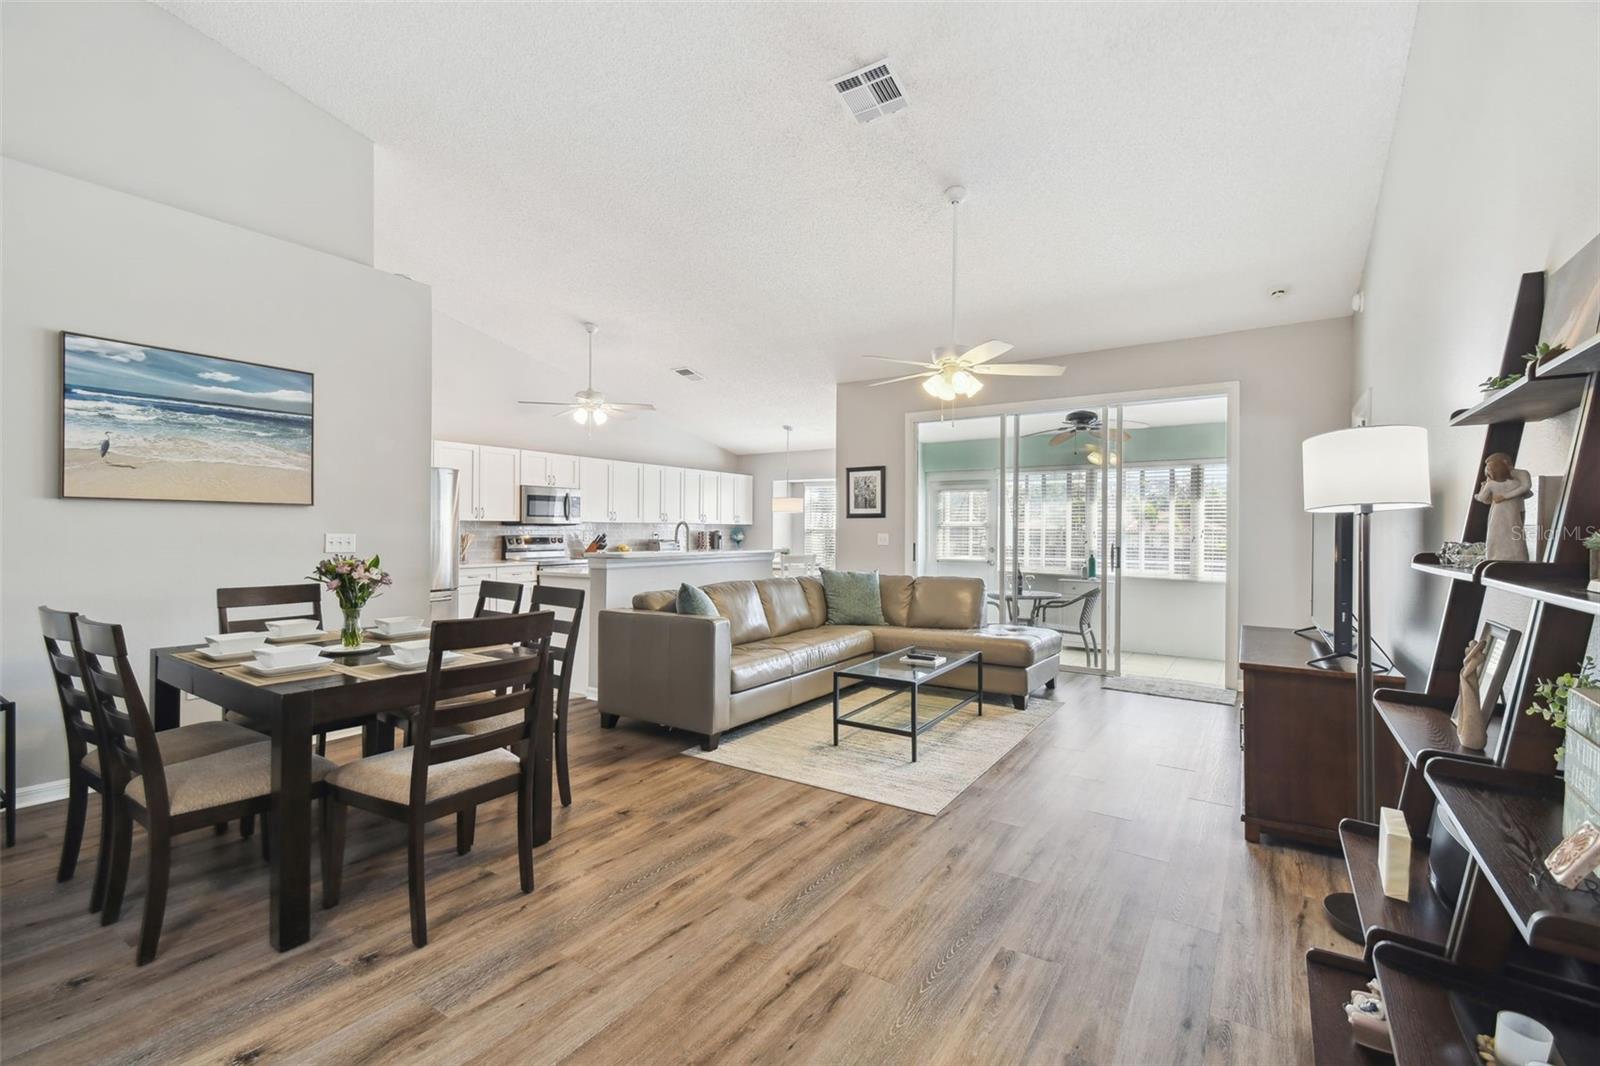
1500, 643
864, 492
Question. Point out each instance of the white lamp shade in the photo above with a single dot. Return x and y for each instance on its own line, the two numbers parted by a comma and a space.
1384, 468
788, 504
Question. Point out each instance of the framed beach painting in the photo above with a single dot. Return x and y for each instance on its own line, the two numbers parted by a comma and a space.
140, 422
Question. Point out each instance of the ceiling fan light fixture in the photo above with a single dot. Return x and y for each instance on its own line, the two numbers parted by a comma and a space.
939, 388
581, 415
965, 382
599, 415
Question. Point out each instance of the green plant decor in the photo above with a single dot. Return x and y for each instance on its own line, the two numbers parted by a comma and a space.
1551, 704
1592, 542
1542, 352
1493, 384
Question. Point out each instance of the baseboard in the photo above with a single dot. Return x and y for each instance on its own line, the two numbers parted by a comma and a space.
46, 792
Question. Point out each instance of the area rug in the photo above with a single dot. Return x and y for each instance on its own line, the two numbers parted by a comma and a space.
798, 746
1172, 688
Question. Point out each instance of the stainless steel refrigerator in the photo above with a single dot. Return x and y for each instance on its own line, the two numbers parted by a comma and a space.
444, 541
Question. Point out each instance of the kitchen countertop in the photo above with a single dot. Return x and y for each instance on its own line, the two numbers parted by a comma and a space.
604, 560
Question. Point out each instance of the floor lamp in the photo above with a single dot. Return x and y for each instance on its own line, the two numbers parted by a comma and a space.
1360, 471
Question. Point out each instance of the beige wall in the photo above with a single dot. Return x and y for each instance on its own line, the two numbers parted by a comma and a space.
1294, 381
767, 467
1493, 171
477, 381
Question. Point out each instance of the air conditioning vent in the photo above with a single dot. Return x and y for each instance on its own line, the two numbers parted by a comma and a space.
870, 92
687, 374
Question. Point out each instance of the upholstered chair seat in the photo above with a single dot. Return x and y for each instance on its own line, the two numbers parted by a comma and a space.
221, 778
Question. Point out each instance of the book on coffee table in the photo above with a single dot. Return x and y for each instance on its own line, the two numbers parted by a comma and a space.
928, 662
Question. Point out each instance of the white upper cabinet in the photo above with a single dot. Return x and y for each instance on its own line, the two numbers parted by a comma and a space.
625, 484
499, 484
594, 481
672, 494
710, 496
744, 499
651, 482
550, 470
726, 492
463, 459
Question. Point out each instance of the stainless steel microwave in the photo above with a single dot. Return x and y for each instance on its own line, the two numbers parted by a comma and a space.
542, 506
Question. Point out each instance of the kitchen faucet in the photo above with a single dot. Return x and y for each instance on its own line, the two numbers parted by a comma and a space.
685, 527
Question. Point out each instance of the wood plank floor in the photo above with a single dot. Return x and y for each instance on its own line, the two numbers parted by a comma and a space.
1091, 899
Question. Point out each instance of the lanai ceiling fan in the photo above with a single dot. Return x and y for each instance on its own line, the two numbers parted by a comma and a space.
1086, 424
954, 370
590, 407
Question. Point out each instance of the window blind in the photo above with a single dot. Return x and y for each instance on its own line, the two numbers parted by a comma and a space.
1175, 521
962, 520
820, 520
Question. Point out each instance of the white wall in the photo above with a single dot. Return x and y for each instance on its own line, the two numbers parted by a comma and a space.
767, 467
126, 95
1294, 381
1493, 171
477, 382
81, 257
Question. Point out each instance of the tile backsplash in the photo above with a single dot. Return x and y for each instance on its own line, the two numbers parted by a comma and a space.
485, 544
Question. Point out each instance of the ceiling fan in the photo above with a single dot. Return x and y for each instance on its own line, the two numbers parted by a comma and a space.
954, 370
590, 407
1086, 423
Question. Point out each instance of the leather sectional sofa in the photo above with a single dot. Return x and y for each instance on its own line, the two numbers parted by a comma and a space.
771, 649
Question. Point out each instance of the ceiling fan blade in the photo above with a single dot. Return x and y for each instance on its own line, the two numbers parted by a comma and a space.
1128, 423
907, 362
1062, 438
629, 406
1041, 432
1022, 370
908, 377
548, 403
984, 352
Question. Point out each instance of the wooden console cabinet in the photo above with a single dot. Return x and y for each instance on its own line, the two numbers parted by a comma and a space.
1297, 727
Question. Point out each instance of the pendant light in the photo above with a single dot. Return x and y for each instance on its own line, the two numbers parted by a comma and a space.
787, 503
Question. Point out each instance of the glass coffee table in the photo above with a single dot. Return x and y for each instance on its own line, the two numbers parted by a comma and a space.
887, 671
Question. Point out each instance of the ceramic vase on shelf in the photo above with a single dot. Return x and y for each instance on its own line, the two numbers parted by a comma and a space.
1581, 764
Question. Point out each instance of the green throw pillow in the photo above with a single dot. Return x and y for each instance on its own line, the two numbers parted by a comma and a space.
692, 599
853, 598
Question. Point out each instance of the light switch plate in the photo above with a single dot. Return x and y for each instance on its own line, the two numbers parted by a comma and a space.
338, 542
883, 540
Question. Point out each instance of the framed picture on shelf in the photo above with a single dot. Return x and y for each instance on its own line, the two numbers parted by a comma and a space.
1501, 644
863, 496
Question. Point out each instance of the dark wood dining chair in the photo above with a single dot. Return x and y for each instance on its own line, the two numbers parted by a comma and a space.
446, 772
498, 592
306, 600
1084, 630
164, 796
86, 759
567, 604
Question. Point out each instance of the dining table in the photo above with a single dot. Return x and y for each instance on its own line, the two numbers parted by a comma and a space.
290, 712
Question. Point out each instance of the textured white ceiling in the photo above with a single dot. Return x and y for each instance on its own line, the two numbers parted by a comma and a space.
684, 175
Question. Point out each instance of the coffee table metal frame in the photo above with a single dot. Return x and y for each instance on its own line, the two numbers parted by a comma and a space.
918, 679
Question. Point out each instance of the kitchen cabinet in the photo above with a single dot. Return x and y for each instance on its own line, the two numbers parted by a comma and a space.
610, 490
550, 469
463, 459
661, 494
490, 486
672, 494
499, 484
735, 498
710, 497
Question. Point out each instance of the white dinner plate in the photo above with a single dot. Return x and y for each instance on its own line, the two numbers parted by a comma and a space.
223, 655
406, 668
364, 648
406, 635
261, 670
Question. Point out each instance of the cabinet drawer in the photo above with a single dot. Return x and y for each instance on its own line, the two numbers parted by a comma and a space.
524, 574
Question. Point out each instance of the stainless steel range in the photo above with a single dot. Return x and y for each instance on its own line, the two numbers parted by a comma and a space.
534, 547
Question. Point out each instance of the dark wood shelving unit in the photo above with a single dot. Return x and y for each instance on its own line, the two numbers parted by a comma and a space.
1330, 978
1529, 400
1422, 921
1421, 725
1584, 359
1515, 940
1510, 821
1438, 1008
1561, 585
1428, 563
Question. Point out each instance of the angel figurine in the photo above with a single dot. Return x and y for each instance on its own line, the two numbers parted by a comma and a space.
1504, 489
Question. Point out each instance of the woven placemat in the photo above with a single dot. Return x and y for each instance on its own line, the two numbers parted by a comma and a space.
374, 635
258, 681
379, 671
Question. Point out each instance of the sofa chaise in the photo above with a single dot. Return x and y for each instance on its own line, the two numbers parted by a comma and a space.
771, 648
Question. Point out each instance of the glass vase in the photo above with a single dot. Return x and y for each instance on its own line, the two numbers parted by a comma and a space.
350, 635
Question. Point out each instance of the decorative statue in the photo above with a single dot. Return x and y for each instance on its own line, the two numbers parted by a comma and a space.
1472, 719
1504, 489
